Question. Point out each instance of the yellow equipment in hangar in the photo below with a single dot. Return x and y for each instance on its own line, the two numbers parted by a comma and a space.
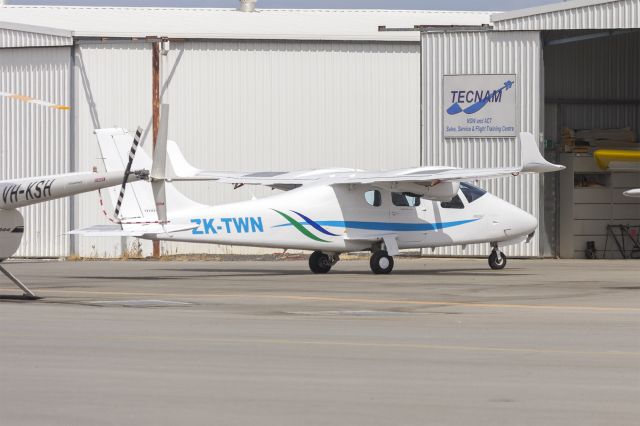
617, 159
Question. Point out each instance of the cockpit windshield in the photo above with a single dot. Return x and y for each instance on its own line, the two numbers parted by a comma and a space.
471, 192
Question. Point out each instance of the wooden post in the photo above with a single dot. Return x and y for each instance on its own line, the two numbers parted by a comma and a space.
155, 90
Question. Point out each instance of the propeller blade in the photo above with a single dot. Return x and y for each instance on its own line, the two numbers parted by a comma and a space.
127, 170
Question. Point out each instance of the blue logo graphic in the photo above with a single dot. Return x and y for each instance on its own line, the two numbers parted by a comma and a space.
477, 98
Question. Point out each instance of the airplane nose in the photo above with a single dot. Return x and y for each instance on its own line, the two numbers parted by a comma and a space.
525, 224
530, 222
518, 222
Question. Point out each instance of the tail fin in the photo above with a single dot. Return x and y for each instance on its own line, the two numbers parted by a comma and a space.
532, 160
138, 204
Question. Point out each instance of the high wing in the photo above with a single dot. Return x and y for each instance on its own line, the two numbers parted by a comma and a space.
416, 180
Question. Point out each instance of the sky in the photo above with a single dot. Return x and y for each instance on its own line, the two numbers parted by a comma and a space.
493, 5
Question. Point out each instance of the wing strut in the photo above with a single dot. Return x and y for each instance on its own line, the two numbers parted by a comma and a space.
28, 294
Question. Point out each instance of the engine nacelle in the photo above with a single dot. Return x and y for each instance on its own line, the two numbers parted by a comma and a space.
11, 232
443, 191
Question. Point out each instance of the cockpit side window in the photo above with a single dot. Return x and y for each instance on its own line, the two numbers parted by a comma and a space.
471, 192
455, 203
373, 198
405, 199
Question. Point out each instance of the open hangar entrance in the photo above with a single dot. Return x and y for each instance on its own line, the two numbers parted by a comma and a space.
591, 82
575, 68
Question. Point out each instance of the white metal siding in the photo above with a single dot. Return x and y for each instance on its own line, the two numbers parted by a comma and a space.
112, 83
14, 38
485, 53
611, 15
35, 140
257, 105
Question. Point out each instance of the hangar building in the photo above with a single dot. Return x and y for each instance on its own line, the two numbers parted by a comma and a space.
282, 89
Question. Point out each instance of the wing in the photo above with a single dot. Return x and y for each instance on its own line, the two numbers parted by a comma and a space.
412, 180
285, 180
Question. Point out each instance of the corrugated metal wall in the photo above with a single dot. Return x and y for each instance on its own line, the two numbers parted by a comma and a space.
610, 15
600, 76
34, 140
14, 38
256, 105
112, 84
517, 53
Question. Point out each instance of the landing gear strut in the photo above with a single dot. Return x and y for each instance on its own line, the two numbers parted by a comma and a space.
28, 294
381, 262
321, 263
497, 259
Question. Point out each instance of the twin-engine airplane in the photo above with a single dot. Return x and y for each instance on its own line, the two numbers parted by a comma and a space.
326, 211
16, 193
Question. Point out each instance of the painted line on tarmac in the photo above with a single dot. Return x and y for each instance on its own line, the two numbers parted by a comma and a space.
294, 297
431, 346
386, 345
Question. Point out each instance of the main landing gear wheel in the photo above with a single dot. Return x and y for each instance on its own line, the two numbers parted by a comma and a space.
320, 263
381, 262
497, 261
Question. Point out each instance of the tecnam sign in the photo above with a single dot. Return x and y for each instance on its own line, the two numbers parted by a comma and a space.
479, 105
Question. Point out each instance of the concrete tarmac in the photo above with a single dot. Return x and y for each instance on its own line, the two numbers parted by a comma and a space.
438, 342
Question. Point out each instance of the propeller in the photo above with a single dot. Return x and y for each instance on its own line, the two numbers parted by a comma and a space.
127, 170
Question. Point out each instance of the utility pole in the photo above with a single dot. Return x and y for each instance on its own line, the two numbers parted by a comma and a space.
155, 91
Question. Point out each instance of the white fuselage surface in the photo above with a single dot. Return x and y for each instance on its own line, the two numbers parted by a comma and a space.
343, 218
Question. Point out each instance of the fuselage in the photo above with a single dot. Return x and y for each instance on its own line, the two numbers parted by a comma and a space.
344, 218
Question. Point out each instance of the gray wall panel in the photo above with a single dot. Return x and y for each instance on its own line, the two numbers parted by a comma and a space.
254, 105
34, 139
112, 83
290, 105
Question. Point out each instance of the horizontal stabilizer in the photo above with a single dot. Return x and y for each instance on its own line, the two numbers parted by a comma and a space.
135, 230
532, 160
632, 193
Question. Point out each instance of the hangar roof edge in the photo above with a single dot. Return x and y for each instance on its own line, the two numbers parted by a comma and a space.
547, 8
203, 23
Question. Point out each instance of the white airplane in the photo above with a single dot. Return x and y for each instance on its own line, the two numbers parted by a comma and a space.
16, 193
327, 211
632, 193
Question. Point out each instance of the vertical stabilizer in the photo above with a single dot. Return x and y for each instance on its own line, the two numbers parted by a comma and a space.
139, 204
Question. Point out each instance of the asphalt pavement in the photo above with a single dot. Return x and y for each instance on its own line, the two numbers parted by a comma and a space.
437, 342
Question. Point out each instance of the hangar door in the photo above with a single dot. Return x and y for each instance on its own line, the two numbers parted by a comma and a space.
35, 139
510, 56
592, 103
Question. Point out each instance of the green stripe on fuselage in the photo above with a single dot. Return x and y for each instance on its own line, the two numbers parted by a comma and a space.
299, 227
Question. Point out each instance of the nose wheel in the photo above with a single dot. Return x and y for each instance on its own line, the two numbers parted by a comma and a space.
381, 262
497, 259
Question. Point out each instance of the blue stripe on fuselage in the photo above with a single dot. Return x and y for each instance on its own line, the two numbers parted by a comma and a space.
386, 226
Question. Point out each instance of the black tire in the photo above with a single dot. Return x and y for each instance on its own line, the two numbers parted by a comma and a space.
495, 263
381, 262
319, 263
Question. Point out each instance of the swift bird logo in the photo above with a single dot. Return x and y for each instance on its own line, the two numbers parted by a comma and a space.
479, 98
300, 226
